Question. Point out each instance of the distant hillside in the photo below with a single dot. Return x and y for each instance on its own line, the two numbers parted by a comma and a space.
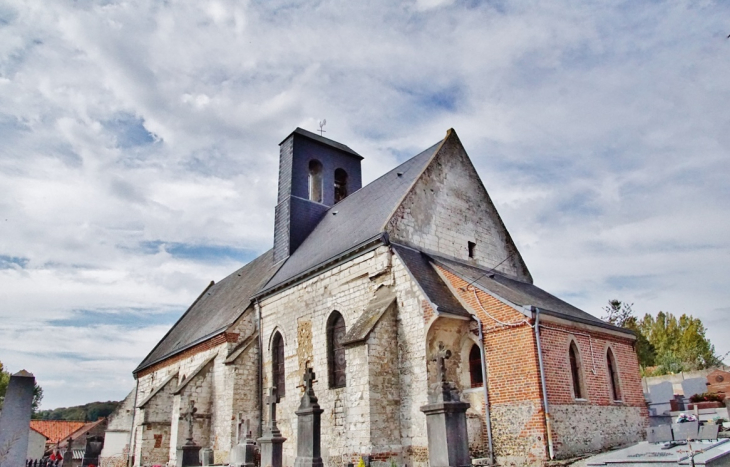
87, 412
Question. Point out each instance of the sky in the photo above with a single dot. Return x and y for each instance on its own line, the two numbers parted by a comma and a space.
139, 151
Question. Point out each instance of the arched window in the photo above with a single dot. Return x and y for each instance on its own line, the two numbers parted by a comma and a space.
277, 365
336, 351
315, 181
575, 371
613, 376
475, 367
340, 185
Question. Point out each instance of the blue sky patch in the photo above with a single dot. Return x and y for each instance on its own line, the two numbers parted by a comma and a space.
199, 252
130, 131
13, 262
128, 318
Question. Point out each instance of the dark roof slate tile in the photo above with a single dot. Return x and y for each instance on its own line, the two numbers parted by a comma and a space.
216, 309
354, 220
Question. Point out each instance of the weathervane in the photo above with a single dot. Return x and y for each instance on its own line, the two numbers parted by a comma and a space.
322, 123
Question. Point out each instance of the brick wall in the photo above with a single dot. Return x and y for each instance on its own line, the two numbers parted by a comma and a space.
518, 418
597, 422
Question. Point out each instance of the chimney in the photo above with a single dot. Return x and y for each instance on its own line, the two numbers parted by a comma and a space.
315, 173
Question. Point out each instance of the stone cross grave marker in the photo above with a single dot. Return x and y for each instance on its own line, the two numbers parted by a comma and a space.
448, 441
239, 424
309, 378
271, 400
440, 358
309, 426
189, 416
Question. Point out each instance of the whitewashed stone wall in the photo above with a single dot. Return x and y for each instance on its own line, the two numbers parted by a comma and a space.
449, 207
220, 392
377, 413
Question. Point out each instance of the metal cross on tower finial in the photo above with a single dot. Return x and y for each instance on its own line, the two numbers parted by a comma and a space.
189, 417
440, 358
322, 123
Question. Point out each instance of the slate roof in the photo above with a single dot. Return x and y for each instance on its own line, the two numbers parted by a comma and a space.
356, 219
216, 309
323, 140
521, 293
436, 290
375, 309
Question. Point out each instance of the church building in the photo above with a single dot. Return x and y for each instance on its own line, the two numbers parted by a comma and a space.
362, 284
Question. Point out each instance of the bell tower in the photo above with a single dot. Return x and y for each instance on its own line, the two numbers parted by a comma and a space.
315, 173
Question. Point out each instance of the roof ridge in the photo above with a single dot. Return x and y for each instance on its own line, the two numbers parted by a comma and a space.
440, 144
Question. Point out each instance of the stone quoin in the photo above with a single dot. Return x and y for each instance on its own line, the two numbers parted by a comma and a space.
361, 285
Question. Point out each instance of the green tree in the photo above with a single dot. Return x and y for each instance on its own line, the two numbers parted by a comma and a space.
645, 352
5, 379
666, 344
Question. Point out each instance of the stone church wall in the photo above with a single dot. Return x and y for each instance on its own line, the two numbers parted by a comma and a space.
220, 392
390, 364
448, 207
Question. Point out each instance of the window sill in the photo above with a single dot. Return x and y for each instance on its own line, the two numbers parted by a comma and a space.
581, 401
471, 390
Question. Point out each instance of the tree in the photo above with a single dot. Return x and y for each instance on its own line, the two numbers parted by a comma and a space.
5, 379
618, 312
665, 344
679, 339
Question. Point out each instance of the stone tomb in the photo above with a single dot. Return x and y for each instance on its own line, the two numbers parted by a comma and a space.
699, 453
661, 394
15, 419
693, 386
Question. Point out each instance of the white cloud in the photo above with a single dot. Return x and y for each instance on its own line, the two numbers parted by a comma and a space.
130, 127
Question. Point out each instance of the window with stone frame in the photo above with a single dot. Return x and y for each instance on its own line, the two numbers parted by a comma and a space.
277, 365
340, 185
315, 181
475, 367
613, 375
575, 371
336, 351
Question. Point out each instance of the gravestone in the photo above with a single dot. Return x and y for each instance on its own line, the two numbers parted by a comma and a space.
68, 456
94, 445
15, 419
207, 456
188, 455
659, 434
661, 394
271, 442
693, 386
448, 441
243, 453
309, 426
686, 430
